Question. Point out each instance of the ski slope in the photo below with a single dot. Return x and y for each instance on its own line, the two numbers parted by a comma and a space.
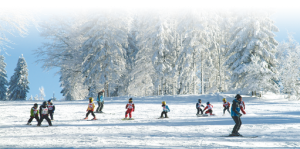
276, 122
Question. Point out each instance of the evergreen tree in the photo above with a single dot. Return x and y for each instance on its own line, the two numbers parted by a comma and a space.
18, 84
31, 98
3, 79
252, 53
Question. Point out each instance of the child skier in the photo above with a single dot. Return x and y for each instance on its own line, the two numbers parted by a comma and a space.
226, 106
51, 109
100, 101
44, 114
208, 108
236, 115
90, 109
165, 110
34, 113
130, 108
198, 107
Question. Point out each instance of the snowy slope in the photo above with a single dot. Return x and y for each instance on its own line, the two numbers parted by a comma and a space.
276, 121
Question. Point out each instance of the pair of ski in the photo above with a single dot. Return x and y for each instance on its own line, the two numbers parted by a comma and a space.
240, 136
204, 115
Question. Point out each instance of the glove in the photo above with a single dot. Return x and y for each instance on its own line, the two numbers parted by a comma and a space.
240, 114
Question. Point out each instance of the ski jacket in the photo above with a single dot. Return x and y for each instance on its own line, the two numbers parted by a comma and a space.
235, 109
226, 104
43, 110
34, 111
166, 108
51, 107
91, 107
208, 107
101, 98
199, 105
130, 106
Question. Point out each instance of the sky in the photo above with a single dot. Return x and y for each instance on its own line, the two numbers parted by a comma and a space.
287, 20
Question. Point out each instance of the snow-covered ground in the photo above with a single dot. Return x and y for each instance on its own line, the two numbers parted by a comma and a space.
276, 122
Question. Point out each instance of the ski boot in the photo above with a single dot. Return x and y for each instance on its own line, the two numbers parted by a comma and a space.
130, 119
86, 118
28, 124
166, 117
101, 112
94, 118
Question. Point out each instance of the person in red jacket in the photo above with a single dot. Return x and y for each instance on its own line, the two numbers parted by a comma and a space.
130, 108
226, 106
208, 108
243, 107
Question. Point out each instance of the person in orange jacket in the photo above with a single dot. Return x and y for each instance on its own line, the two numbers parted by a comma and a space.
90, 109
130, 108
226, 106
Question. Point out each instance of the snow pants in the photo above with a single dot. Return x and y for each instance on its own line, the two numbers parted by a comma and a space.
198, 110
226, 108
32, 117
209, 111
45, 117
237, 125
129, 111
100, 106
51, 112
87, 114
164, 112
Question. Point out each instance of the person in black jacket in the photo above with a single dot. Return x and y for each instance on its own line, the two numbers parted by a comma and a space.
198, 107
44, 114
236, 115
51, 109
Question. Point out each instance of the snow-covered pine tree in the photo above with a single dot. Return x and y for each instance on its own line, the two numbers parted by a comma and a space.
192, 27
104, 54
251, 55
18, 84
42, 93
288, 54
30, 98
36, 97
3, 79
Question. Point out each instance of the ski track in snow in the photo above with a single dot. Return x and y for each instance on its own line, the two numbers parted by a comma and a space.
275, 122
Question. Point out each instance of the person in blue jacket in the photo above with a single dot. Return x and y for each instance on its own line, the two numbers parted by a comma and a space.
236, 115
165, 110
100, 101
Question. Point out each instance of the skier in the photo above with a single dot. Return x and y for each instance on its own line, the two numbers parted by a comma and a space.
90, 109
165, 109
208, 108
34, 113
198, 107
100, 101
51, 109
226, 106
236, 115
44, 114
130, 108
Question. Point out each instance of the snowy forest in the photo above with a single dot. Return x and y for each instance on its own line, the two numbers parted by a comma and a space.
146, 53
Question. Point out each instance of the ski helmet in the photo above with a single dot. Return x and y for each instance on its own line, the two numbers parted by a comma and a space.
207, 103
91, 99
199, 100
164, 102
35, 105
224, 99
130, 99
238, 96
44, 103
50, 100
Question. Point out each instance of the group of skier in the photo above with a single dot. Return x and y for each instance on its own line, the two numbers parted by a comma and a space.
44, 111
237, 106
